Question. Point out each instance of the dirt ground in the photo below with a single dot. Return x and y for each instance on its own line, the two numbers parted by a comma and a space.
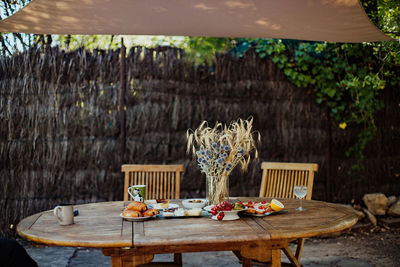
379, 246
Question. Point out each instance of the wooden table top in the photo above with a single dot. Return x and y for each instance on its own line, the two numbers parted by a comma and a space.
99, 225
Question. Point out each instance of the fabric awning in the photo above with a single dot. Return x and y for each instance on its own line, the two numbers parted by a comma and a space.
317, 20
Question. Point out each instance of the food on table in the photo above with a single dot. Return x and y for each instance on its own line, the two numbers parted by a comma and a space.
219, 209
169, 212
195, 201
138, 209
238, 206
259, 208
163, 203
276, 205
131, 213
180, 212
251, 210
193, 212
150, 212
136, 205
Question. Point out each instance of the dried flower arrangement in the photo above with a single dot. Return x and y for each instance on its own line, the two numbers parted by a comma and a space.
218, 150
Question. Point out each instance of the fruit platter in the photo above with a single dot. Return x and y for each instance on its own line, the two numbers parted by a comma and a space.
225, 211
263, 208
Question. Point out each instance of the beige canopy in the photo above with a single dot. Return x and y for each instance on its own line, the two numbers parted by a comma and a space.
318, 20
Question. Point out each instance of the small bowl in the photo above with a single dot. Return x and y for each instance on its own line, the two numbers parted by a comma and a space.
194, 203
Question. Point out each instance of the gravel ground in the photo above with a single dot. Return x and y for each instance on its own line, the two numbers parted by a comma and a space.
372, 247
378, 246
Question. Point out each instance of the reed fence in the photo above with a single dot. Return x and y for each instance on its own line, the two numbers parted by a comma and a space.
60, 126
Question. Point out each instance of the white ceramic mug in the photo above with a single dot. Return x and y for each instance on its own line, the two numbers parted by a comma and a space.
64, 214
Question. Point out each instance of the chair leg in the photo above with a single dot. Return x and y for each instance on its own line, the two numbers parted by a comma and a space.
178, 259
299, 249
291, 257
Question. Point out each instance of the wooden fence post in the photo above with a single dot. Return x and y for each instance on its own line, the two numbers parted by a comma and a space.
122, 102
328, 159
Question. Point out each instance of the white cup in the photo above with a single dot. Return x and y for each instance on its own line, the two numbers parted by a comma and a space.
64, 214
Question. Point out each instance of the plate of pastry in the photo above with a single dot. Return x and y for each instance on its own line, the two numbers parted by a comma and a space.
138, 211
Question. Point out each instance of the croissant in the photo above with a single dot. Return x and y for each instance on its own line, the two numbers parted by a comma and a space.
131, 213
150, 212
136, 205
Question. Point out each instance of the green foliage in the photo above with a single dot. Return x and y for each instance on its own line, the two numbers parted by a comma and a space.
202, 49
347, 78
88, 41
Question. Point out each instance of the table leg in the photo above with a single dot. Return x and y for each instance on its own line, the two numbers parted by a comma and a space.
118, 259
276, 258
246, 262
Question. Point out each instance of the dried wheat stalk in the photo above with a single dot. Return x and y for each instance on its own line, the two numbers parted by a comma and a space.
218, 150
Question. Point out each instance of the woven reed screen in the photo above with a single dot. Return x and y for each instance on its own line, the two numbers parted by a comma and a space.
59, 128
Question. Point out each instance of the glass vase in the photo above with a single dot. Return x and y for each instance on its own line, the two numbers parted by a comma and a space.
217, 189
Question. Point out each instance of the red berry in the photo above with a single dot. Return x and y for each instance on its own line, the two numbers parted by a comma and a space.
213, 208
214, 212
263, 202
220, 216
249, 203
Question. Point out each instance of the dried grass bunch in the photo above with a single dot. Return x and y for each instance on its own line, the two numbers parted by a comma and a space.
218, 150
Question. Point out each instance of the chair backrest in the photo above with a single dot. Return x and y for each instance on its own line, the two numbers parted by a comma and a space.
162, 181
279, 178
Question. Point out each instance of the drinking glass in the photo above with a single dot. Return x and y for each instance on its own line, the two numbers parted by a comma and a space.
300, 192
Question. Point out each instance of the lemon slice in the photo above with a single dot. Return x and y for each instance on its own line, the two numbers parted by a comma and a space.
276, 205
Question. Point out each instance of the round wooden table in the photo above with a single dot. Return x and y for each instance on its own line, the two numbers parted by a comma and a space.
130, 244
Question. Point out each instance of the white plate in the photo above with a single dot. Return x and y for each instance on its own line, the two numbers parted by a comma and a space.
159, 207
137, 219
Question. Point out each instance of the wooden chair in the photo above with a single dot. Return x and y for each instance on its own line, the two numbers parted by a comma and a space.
278, 180
162, 182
